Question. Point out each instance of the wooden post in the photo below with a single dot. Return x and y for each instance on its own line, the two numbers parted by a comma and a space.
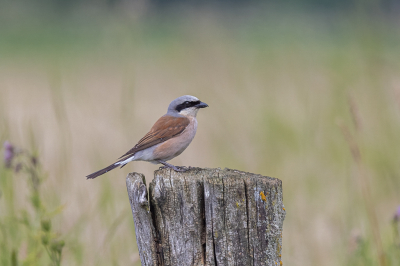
207, 217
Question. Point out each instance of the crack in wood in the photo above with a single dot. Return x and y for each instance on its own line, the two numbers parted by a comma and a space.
207, 217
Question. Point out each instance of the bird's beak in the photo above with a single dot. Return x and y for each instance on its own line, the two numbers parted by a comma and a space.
202, 105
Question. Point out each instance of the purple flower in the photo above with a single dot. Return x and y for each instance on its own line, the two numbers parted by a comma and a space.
8, 153
397, 215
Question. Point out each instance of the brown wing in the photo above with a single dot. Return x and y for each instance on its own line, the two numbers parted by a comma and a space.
165, 128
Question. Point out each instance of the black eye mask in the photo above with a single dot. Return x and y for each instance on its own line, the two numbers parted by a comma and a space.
185, 105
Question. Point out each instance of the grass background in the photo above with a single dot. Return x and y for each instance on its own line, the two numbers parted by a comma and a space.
292, 93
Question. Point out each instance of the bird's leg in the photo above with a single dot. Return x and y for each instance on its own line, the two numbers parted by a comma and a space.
176, 168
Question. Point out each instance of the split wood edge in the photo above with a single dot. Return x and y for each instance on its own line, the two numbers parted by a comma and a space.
207, 217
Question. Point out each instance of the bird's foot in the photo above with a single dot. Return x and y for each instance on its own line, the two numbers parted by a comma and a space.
175, 168
181, 168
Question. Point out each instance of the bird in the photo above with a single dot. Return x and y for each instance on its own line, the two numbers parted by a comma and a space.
168, 138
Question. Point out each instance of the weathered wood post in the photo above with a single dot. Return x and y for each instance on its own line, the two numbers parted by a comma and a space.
207, 217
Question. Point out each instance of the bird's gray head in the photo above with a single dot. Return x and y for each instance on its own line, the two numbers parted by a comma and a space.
186, 105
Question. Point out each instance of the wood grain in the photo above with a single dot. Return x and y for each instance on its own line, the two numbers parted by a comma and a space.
209, 217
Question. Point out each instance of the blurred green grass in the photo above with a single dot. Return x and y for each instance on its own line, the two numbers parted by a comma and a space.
82, 89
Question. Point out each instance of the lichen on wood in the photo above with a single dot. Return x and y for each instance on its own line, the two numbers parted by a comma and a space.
209, 217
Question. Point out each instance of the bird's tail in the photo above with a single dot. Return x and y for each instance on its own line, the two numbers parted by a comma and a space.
103, 171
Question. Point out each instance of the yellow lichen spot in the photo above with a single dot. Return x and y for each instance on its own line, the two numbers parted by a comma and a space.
283, 209
280, 263
237, 205
263, 196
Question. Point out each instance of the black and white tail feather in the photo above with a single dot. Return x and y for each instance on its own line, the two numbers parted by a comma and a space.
108, 168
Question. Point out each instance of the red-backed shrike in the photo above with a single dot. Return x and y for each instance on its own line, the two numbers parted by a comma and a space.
168, 137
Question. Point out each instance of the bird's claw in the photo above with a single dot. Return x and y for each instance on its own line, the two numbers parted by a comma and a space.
181, 168
176, 168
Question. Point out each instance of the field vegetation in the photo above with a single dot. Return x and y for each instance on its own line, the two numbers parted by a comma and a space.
311, 97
